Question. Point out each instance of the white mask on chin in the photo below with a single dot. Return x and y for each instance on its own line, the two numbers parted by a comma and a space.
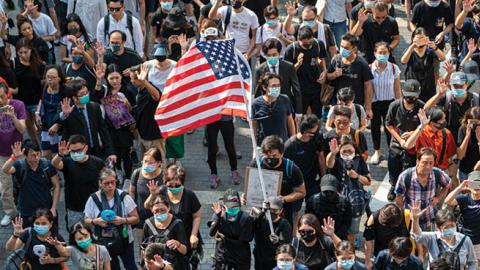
433, 3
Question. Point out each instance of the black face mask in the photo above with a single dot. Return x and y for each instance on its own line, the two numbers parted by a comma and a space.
410, 100
73, 31
307, 236
271, 162
237, 5
440, 125
330, 196
161, 58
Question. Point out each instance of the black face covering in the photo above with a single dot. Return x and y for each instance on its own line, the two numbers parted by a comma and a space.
307, 236
271, 162
410, 100
237, 4
330, 196
160, 58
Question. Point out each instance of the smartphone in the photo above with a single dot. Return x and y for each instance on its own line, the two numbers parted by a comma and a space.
3, 109
474, 184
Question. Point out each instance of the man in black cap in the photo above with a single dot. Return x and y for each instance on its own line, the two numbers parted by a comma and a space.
401, 121
266, 242
232, 230
330, 203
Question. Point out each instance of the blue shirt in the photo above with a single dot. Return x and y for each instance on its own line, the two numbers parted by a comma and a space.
272, 119
469, 30
386, 262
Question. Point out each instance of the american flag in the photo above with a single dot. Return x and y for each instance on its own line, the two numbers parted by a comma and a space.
204, 85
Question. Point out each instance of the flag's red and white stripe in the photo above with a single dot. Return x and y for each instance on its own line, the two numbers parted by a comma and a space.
193, 97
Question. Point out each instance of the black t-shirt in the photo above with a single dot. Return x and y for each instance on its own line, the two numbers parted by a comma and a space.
9, 76
382, 235
354, 75
264, 249
338, 208
455, 112
472, 154
176, 232
470, 218
332, 134
374, 33
49, 249
272, 119
257, 7
305, 156
38, 43
176, 51
157, 20
401, 119
81, 180
359, 165
433, 19
309, 71
144, 112
128, 59
83, 72
142, 192
422, 69
29, 83
184, 210
316, 257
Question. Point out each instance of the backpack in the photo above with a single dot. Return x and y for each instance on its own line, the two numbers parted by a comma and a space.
18, 259
322, 209
356, 195
22, 177
116, 238
474, 102
451, 257
106, 27
288, 166
161, 238
228, 16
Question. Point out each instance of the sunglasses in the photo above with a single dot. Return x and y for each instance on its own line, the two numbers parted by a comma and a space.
114, 9
305, 231
380, 18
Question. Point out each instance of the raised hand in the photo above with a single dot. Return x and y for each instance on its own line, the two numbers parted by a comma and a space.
67, 108
53, 130
63, 148
442, 86
157, 262
300, 59
183, 40
328, 226
468, 5
99, 49
416, 211
363, 15
17, 149
217, 208
422, 116
152, 186
334, 147
54, 241
100, 71
143, 75
290, 7
17, 226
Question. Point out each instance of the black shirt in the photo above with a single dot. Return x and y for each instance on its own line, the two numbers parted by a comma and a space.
354, 75
257, 7
272, 119
142, 192
374, 33
29, 83
401, 119
83, 72
49, 249
128, 59
9, 76
81, 180
316, 257
455, 111
433, 19
309, 71
176, 51
305, 155
470, 217
264, 249
157, 20
144, 112
332, 134
38, 43
184, 210
359, 165
422, 69
472, 154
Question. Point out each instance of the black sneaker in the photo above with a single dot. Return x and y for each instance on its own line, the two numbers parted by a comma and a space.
391, 194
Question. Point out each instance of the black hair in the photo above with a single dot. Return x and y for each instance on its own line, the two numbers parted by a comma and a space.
304, 32
390, 215
272, 43
124, 36
427, 151
116, 1
35, 61
312, 221
22, 20
381, 6
344, 247
287, 248
111, 69
435, 114
43, 212
310, 8
272, 142
30, 145
77, 228
341, 110
308, 122
155, 153
75, 85
353, 40
419, 31
265, 78
381, 44
443, 216
59, 70
73, 17
269, 11
154, 249
400, 247
77, 138
346, 94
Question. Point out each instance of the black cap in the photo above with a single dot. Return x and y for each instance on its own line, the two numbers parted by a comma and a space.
471, 70
275, 203
411, 88
176, 18
329, 182
231, 198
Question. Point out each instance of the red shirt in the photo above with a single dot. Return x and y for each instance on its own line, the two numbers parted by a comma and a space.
429, 138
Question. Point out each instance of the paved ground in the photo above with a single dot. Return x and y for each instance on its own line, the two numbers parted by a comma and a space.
198, 172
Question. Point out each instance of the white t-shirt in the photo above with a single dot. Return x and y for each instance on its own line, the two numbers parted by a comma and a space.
43, 26
264, 33
239, 26
128, 205
159, 77
83, 262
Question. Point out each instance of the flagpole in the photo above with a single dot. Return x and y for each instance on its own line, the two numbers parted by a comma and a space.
252, 136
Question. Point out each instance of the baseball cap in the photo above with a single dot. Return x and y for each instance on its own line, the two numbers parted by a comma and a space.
471, 70
474, 176
329, 182
369, 4
411, 88
211, 31
275, 203
231, 198
458, 77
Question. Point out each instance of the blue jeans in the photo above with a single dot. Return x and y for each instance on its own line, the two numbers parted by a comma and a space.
338, 29
128, 259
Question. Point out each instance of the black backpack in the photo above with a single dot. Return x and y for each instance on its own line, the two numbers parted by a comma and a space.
161, 237
324, 209
357, 196
18, 259
115, 241
106, 27
451, 256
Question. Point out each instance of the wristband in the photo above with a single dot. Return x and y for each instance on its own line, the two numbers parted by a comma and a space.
126, 221
13, 157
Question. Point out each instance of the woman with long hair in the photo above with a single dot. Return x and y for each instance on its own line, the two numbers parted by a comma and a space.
175, 29
74, 34
48, 108
29, 69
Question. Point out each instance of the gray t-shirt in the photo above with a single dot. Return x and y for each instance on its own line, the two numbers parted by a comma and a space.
83, 262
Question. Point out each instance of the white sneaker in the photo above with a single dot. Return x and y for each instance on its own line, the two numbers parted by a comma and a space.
6, 220
375, 159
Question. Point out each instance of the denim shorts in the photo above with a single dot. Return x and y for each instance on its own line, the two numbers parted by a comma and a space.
355, 226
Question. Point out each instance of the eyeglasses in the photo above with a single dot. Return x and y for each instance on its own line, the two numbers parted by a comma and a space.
344, 122
51, 77
114, 9
109, 183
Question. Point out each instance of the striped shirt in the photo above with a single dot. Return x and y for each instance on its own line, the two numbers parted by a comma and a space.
384, 81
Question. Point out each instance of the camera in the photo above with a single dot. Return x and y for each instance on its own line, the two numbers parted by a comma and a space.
348, 165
